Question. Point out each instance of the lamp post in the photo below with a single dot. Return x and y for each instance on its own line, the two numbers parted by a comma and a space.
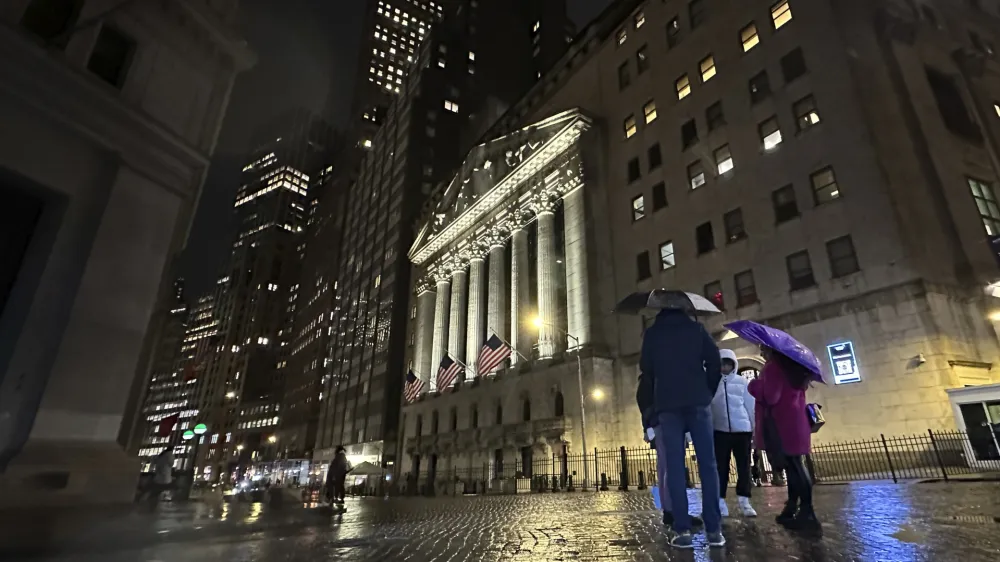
192, 462
539, 323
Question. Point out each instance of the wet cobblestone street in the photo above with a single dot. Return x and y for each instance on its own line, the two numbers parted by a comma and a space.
863, 522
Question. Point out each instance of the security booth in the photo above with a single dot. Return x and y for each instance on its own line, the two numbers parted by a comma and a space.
977, 413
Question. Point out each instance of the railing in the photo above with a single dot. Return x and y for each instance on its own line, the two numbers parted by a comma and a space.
931, 456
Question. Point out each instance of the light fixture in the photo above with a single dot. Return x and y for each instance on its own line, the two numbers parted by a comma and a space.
239, 447
538, 322
597, 394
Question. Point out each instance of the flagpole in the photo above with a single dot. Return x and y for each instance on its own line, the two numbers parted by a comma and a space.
519, 354
464, 366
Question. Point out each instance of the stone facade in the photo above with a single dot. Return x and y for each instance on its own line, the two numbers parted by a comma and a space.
110, 115
866, 219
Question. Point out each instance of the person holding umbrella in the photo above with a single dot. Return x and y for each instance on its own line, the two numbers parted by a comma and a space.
679, 371
783, 427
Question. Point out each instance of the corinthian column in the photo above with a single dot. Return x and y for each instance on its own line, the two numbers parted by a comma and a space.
425, 330
497, 314
548, 336
441, 320
456, 331
477, 301
520, 335
577, 280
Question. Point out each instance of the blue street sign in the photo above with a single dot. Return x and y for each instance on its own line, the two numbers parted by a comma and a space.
844, 363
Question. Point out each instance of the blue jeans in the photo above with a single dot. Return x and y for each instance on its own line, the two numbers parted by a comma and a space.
670, 446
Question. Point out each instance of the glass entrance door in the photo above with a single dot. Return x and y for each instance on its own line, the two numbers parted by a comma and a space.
982, 430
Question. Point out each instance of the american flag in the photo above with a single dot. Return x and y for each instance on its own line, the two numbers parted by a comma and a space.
494, 352
447, 373
413, 387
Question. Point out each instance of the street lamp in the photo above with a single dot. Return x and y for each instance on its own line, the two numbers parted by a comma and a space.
539, 323
272, 439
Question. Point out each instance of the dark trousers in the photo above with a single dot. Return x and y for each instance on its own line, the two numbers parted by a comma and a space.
800, 483
735, 445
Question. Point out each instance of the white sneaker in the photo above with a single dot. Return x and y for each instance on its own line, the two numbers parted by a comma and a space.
723, 508
746, 508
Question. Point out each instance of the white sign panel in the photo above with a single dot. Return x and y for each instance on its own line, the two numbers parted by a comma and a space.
844, 363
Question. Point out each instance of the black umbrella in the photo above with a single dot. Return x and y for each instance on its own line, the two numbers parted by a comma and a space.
663, 299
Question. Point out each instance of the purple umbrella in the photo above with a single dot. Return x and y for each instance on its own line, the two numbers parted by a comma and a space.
780, 342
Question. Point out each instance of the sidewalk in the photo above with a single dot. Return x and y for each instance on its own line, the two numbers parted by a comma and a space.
867, 521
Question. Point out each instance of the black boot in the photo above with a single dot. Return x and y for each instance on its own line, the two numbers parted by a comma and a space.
787, 515
804, 520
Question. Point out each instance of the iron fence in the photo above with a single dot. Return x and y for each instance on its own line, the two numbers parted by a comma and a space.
935, 455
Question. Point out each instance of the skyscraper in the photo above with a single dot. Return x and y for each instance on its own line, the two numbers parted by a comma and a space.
242, 385
471, 66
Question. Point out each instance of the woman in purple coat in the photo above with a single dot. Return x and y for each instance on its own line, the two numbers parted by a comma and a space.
780, 392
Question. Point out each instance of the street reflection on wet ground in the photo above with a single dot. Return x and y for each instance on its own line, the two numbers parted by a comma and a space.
864, 522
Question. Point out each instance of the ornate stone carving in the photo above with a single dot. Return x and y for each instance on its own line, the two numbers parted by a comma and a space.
544, 203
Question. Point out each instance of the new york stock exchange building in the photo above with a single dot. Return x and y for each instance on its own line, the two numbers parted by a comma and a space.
613, 175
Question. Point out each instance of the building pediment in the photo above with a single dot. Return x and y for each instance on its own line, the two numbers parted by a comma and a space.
493, 174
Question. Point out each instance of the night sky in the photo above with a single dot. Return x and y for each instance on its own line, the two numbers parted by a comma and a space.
306, 49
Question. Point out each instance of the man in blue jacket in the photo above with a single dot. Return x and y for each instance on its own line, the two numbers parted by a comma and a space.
680, 370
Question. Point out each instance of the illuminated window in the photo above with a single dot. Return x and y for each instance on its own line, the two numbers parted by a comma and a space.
642, 59
713, 292
770, 133
472, 56
683, 86
806, 115
441, 63
696, 175
996, 108
640, 20
451, 106
638, 208
986, 202
781, 13
537, 26
667, 258
622, 36
367, 143
650, 111
825, 188
630, 126
707, 68
749, 37
724, 159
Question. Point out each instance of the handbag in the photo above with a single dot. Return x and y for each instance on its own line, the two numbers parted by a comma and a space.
814, 412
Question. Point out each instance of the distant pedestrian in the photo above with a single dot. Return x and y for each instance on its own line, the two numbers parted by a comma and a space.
783, 430
679, 374
336, 476
733, 417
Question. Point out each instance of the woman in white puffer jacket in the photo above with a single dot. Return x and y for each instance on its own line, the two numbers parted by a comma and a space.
733, 418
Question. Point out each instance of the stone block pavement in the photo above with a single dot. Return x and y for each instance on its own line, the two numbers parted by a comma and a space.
863, 522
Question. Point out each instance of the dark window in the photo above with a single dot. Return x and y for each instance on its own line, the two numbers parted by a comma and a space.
52, 20
785, 206
499, 418
689, 134
454, 419
735, 230
696, 175
704, 238
952, 106
474, 417
843, 260
793, 65
800, 271
673, 33
760, 88
806, 114
420, 425
825, 188
111, 56
19, 216
638, 208
698, 11
655, 157
746, 290
634, 172
986, 203
715, 116
559, 407
526, 410
713, 292
642, 59
624, 78
434, 423
642, 266
659, 196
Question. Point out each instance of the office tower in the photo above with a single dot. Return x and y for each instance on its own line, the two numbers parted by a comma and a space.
110, 117
827, 167
473, 63
242, 385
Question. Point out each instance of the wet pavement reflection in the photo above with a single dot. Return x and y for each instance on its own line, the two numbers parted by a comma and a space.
862, 522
